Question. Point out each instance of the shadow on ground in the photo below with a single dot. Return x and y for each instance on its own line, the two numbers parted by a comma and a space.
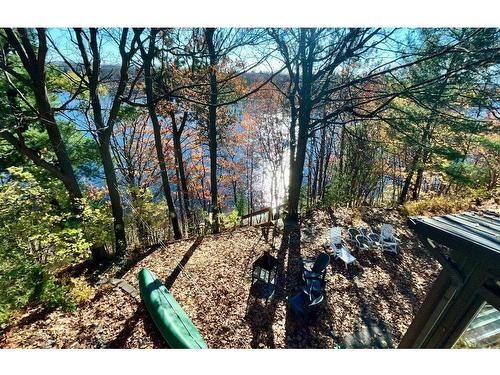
180, 266
369, 333
261, 313
140, 315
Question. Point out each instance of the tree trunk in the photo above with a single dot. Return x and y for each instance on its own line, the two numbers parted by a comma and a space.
140, 224
235, 192
164, 174
184, 223
321, 162
297, 172
104, 129
310, 188
176, 135
212, 128
248, 184
204, 198
251, 206
147, 59
63, 160
420, 175
304, 116
326, 165
341, 152
104, 138
293, 142
409, 177
35, 66
418, 183
114, 194
314, 155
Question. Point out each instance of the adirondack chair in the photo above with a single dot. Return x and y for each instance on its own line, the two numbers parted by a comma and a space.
359, 239
373, 238
314, 285
318, 269
336, 238
387, 239
339, 248
362, 242
353, 232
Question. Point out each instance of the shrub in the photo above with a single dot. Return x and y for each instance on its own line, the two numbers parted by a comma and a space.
52, 294
37, 235
80, 291
97, 223
337, 192
23, 283
230, 220
33, 222
437, 205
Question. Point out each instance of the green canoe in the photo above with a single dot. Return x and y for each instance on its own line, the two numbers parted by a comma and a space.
175, 326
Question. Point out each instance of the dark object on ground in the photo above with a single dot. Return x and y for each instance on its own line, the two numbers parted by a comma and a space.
314, 286
264, 276
372, 237
264, 269
362, 242
353, 232
318, 269
122, 284
306, 304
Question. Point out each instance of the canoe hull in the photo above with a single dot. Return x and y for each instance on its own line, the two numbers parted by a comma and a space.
169, 317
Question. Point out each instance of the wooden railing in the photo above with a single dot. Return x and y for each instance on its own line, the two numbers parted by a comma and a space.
264, 215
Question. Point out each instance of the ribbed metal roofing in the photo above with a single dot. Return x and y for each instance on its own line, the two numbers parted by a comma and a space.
475, 230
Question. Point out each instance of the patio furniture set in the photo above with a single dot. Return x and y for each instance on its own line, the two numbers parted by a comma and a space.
363, 239
306, 303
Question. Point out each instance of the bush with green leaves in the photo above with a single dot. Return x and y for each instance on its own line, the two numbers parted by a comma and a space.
241, 203
466, 175
97, 223
38, 235
231, 219
337, 192
32, 220
24, 282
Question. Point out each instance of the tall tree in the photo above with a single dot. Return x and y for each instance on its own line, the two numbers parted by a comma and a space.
448, 103
177, 131
89, 47
133, 147
311, 58
151, 101
33, 60
212, 125
323, 68
216, 84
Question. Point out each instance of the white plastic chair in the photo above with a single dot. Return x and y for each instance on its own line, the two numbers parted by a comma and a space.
387, 239
338, 248
336, 238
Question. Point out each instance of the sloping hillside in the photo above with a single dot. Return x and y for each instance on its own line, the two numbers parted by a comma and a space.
369, 304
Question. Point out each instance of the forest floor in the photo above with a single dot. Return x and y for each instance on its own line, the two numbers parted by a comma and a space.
369, 305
